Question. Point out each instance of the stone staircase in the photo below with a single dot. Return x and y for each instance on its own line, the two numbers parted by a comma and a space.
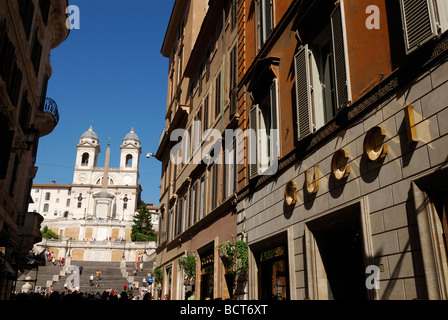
111, 277
138, 279
46, 276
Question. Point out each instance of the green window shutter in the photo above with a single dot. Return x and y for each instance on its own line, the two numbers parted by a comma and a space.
340, 59
419, 24
303, 92
253, 142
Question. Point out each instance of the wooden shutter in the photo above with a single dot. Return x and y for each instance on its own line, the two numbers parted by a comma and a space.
340, 59
303, 92
419, 23
275, 127
253, 142
268, 17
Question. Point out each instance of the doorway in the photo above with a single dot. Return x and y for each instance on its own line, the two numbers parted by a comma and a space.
340, 259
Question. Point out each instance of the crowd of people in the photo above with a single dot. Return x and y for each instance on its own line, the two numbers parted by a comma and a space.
67, 295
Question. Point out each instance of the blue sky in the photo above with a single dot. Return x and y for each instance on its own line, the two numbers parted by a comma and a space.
111, 72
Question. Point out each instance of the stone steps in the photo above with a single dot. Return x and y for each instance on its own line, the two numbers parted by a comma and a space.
111, 277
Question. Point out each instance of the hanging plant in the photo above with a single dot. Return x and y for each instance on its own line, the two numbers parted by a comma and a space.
234, 257
188, 264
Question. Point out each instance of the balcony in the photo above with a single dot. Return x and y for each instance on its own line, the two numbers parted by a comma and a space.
47, 117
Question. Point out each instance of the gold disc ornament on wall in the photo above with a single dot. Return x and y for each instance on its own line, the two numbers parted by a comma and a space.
339, 167
374, 146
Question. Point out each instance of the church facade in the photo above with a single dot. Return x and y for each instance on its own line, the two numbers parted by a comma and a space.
93, 216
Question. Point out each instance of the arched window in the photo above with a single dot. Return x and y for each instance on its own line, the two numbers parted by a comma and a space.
85, 159
47, 196
129, 160
66, 214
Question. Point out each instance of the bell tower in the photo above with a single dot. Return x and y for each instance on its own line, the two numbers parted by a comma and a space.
87, 153
130, 152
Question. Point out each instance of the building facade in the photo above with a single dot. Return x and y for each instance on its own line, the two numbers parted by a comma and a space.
341, 193
94, 215
356, 191
29, 30
198, 200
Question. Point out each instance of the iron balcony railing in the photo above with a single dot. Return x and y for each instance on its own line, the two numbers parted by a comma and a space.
51, 107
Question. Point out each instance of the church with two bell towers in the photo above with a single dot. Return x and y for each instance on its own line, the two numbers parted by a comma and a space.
93, 216
93, 185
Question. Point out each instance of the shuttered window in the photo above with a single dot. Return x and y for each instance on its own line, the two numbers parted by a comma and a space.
265, 23
322, 76
253, 142
264, 141
343, 95
419, 23
275, 126
303, 92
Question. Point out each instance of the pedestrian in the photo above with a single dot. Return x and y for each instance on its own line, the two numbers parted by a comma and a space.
141, 266
80, 270
91, 280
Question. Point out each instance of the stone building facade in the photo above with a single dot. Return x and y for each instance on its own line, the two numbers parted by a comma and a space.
29, 30
342, 190
359, 189
197, 200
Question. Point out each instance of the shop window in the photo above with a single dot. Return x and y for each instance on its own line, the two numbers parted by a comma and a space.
207, 276
274, 274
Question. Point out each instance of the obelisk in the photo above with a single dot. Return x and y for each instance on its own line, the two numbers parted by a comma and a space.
106, 168
104, 199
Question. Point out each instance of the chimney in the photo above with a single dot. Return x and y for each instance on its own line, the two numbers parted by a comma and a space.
53, 182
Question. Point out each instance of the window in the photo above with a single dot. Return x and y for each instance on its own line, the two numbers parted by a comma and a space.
45, 10
233, 79
55, 213
234, 17
322, 78
179, 215
230, 168
265, 20
79, 204
36, 52
205, 113
218, 95
47, 196
68, 203
85, 159
215, 185
24, 115
264, 143
129, 160
193, 204
202, 198
184, 213
46, 207
125, 205
26, 8
422, 21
